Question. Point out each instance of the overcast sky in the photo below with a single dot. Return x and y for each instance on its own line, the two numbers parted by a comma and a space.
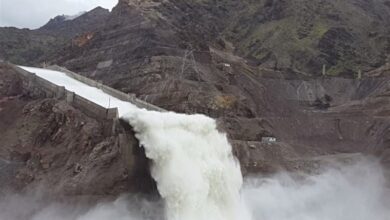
35, 13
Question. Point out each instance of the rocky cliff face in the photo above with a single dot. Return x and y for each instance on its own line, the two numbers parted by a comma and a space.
252, 65
86, 22
47, 142
33, 47
304, 36
300, 36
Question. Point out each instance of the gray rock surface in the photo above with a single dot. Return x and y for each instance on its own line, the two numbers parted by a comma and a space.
48, 143
255, 66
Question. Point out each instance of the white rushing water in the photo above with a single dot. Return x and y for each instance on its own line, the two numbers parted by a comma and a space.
353, 192
345, 192
199, 179
193, 165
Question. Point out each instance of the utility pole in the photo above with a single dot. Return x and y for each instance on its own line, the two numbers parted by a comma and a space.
324, 70
183, 63
189, 54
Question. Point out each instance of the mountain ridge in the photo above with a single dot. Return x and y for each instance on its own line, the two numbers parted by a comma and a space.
28, 47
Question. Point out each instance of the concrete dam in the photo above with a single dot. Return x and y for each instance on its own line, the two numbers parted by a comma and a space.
192, 162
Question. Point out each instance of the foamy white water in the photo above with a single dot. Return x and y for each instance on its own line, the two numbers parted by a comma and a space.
199, 178
193, 165
355, 192
346, 192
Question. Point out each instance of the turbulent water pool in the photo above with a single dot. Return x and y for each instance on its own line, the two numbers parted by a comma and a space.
353, 192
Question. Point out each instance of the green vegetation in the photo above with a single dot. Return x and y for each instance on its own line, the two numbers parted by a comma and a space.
289, 33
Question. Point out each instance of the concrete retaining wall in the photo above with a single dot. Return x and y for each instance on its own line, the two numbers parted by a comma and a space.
133, 157
39, 86
113, 92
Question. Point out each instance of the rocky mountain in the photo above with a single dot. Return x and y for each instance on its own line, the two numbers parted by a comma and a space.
300, 36
255, 65
304, 35
48, 141
85, 22
30, 47
297, 36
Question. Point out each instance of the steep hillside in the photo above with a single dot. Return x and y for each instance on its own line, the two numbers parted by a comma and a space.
86, 22
30, 47
26, 46
305, 35
299, 36
250, 64
46, 141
